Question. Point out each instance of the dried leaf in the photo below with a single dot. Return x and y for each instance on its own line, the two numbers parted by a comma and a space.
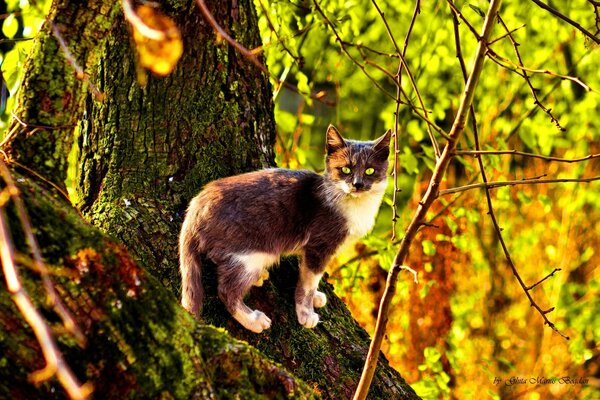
158, 53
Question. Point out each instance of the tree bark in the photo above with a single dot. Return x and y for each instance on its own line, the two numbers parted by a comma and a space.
144, 153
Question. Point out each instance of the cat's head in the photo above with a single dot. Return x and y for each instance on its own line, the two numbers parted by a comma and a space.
357, 167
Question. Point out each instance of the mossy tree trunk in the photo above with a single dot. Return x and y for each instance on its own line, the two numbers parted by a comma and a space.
143, 153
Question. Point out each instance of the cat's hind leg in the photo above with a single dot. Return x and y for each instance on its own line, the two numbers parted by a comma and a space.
236, 276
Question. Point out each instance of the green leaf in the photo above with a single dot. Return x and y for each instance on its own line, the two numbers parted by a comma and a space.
10, 27
477, 10
409, 162
428, 247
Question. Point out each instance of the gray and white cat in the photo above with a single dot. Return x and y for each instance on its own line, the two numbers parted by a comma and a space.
244, 223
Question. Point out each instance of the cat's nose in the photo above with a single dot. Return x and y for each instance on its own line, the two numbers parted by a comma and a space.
358, 184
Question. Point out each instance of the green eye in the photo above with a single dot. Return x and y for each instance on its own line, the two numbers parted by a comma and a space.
346, 170
369, 171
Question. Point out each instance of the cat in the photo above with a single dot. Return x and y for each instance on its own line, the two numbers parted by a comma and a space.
244, 223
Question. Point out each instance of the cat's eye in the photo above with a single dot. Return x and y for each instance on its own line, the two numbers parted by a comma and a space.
346, 170
369, 171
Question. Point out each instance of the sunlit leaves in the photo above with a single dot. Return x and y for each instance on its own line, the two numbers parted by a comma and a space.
544, 225
32, 16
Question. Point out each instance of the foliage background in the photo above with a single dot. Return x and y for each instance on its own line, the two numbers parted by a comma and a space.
467, 322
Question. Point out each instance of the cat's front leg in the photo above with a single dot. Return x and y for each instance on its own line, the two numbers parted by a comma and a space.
307, 296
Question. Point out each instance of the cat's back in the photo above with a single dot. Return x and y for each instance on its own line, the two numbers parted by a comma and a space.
262, 183
268, 210
257, 192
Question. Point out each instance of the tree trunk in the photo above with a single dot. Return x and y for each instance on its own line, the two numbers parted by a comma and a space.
143, 154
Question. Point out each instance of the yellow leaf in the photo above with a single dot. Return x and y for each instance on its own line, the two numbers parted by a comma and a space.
157, 40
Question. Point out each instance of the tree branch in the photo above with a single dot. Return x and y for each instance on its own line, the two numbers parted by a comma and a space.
397, 81
477, 153
508, 64
490, 205
526, 77
493, 185
543, 279
557, 14
424, 205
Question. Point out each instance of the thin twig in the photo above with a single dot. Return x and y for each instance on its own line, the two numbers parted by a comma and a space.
568, 20
347, 53
54, 299
251, 54
530, 181
434, 143
476, 153
55, 364
457, 12
490, 205
508, 33
508, 64
370, 49
297, 58
401, 64
526, 77
543, 279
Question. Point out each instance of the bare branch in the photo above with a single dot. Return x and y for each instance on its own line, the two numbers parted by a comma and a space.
543, 279
508, 33
490, 206
345, 51
557, 14
526, 77
457, 12
530, 181
434, 143
477, 153
54, 299
508, 64
397, 120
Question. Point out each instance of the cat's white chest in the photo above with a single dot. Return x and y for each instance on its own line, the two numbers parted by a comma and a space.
360, 213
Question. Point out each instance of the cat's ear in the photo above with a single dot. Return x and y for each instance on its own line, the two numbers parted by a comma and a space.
335, 141
382, 144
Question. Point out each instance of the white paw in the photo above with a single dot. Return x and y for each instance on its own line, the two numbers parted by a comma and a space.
258, 322
319, 300
308, 319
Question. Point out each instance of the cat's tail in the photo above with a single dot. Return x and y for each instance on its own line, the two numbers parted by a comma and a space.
192, 292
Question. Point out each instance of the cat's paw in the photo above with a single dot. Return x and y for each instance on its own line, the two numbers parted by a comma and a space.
258, 322
308, 319
319, 300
